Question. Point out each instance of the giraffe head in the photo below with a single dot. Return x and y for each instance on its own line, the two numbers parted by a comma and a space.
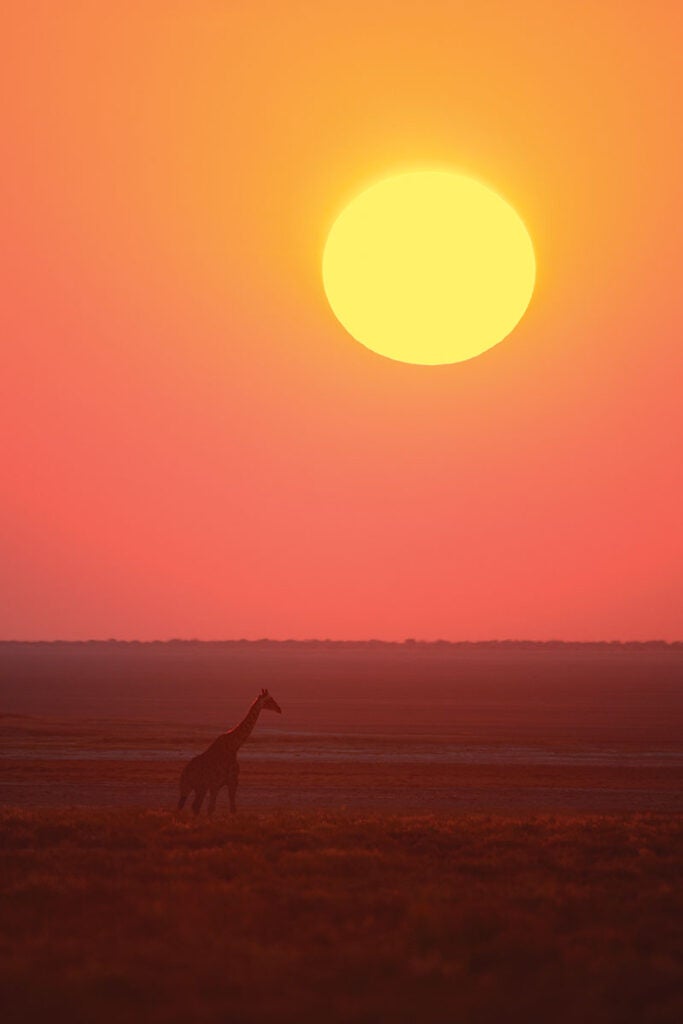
268, 703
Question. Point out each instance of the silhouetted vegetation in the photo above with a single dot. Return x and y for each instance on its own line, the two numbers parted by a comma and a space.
291, 918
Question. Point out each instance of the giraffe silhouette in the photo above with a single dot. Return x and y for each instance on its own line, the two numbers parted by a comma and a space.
218, 765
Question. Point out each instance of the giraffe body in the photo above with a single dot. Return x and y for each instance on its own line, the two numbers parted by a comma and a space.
218, 765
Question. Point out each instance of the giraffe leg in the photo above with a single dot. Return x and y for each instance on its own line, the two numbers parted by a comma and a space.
198, 800
213, 793
184, 793
233, 778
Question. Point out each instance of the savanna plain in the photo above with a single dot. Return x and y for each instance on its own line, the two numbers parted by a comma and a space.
442, 832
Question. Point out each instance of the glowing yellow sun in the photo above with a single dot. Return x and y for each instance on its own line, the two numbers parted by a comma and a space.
429, 267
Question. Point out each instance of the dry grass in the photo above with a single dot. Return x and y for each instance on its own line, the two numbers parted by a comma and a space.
142, 916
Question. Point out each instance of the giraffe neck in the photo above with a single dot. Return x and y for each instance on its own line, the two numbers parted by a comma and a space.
242, 731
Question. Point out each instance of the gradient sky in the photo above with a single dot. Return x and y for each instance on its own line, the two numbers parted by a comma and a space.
193, 446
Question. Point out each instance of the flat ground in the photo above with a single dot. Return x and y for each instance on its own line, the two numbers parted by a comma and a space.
429, 834
120, 914
507, 728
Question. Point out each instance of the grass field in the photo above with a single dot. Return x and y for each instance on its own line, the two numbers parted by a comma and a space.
111, 915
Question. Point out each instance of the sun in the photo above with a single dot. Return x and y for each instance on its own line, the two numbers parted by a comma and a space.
429, 267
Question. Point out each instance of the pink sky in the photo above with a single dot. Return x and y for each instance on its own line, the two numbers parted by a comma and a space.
192, 445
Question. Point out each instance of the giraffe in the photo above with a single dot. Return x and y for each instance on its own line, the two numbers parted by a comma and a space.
218, 766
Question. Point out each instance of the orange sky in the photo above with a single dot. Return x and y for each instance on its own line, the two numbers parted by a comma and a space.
192, 445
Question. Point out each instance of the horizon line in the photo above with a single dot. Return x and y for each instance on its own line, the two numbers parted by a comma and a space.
406, 641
